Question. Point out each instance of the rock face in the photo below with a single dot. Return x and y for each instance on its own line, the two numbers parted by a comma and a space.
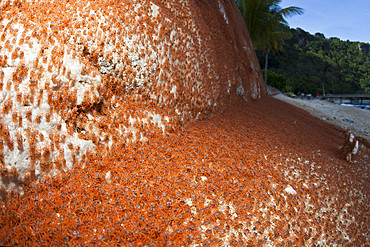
364, 48
79, 77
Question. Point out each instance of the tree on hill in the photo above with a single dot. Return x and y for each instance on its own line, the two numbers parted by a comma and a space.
309, 61
266, 24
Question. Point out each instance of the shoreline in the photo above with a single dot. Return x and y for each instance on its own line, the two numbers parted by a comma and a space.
346, 117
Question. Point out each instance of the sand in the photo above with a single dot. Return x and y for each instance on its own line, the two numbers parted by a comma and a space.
345, 117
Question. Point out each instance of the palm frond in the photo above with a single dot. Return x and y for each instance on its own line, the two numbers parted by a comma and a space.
264, 19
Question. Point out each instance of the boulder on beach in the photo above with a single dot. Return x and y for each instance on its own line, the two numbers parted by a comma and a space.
79, 77
350, 147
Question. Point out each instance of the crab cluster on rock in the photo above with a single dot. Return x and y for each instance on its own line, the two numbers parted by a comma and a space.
80, 77
350, 147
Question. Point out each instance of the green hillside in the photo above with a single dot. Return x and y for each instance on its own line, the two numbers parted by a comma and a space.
309, 61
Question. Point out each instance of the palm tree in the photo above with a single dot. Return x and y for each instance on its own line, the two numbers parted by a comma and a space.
266, 24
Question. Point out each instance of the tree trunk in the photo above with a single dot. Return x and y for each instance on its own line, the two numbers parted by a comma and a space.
266, 62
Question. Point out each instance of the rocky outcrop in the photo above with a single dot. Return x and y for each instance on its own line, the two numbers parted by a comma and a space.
350, 147
81, 77
364, 48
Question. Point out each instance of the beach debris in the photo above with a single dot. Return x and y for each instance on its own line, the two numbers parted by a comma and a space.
348, 120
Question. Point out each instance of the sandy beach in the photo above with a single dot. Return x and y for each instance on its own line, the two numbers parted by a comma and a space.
345, 117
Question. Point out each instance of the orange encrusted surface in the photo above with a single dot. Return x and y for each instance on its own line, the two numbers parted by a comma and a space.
262, 173
75, 76
143, 123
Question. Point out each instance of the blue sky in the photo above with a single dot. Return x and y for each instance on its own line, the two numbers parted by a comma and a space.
345, 19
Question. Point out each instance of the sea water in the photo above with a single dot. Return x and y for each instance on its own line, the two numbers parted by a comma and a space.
364, 105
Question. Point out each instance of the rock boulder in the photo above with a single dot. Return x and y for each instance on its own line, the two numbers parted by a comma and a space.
78, 77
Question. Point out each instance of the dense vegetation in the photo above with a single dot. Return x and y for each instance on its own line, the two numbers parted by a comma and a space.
266, 24
310, 61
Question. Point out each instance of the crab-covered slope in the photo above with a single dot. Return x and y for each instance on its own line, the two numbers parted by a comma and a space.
83, 76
